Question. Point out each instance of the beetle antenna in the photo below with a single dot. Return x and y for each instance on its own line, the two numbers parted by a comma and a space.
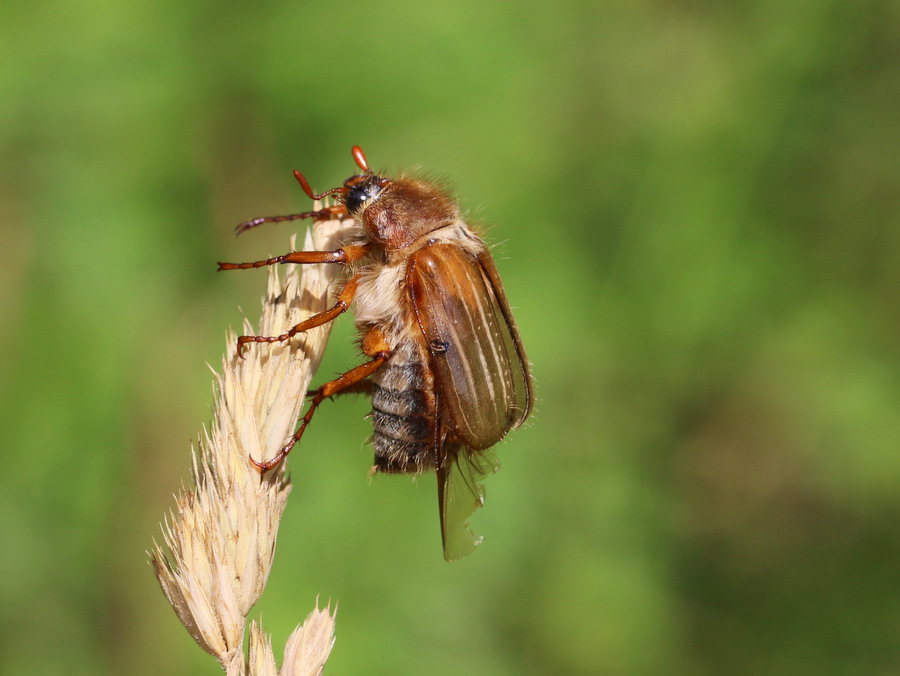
360, 158
305, 185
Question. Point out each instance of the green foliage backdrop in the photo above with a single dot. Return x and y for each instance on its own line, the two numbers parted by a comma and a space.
697, 210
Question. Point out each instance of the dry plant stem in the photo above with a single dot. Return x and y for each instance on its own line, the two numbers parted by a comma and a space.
221, 535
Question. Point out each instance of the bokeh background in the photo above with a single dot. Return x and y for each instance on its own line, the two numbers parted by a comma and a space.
696, 211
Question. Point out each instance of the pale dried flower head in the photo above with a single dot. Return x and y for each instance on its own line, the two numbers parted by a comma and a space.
306, 649
221, 535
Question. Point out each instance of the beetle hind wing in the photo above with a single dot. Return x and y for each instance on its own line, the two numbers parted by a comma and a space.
460, 494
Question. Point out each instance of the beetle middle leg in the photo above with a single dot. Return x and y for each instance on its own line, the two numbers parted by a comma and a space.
375, 346
342, 305
344, 255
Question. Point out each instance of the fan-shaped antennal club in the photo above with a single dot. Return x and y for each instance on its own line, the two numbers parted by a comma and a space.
301, 179
360, 158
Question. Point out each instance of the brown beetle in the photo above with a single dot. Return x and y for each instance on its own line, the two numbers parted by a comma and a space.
447, 371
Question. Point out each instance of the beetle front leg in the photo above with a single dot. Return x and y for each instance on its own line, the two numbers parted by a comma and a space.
324, 214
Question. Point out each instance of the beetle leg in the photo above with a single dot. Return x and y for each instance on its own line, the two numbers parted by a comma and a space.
374, 345
345, 255
342, 305
362, 387
323, 214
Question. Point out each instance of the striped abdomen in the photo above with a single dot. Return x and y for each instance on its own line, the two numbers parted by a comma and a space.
403, 412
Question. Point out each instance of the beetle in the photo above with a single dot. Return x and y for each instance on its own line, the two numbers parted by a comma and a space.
446, 370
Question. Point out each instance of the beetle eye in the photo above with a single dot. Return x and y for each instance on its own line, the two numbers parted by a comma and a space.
355, 198
362, 192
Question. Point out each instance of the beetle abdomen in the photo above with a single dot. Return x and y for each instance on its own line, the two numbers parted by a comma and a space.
403, 413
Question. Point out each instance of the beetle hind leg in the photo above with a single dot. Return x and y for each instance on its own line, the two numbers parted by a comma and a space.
375, 346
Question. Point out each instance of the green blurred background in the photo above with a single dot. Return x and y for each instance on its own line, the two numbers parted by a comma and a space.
696, 206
